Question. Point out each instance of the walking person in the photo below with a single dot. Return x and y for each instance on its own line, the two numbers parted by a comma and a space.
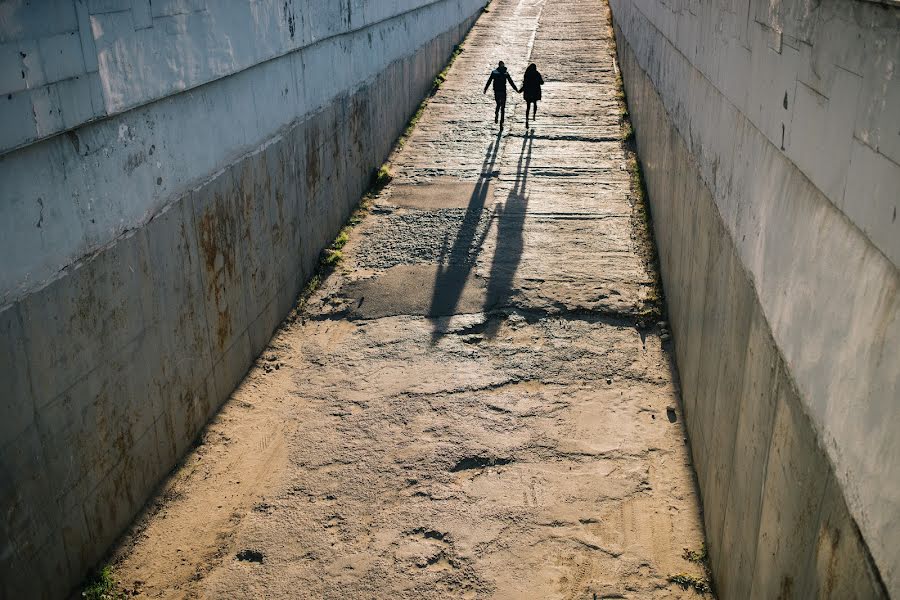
499, 77
531, 89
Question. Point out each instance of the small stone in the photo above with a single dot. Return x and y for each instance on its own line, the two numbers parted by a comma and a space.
250, 556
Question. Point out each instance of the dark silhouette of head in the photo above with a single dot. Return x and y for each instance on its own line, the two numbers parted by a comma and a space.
500, 64
532, 68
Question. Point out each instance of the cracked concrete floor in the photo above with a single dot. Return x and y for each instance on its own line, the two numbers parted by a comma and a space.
479, 404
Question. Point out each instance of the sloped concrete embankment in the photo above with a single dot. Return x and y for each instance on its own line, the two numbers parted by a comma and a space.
112, 367
772, 174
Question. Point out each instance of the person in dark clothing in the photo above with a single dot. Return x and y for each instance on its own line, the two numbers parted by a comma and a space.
531, 89
499, 77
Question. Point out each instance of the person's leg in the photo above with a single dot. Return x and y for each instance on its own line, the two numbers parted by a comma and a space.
534, 113
501, 107
527, 108
496, 109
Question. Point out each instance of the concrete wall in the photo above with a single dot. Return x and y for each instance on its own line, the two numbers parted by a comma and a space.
769, 135
149, 255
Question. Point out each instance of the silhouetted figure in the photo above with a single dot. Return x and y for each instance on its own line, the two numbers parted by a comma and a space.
499, 77
531, 89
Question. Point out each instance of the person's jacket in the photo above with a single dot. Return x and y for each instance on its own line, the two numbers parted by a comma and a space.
531, 86
499, 77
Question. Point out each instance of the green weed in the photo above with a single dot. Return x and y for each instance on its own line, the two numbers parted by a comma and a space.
102, 586
628, 132
380, 179
332, 258
688, 581
700, 584
341, 240
695, 556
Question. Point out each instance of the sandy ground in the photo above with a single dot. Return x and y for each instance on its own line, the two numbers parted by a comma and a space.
480, 403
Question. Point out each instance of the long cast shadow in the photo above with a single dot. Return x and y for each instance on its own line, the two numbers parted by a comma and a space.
455, 266
510, 235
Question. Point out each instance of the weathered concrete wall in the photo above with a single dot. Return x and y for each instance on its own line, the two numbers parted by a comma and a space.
149, 255
768, 134
75, 194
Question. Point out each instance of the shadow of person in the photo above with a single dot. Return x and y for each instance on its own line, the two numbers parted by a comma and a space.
510, 218
455, 266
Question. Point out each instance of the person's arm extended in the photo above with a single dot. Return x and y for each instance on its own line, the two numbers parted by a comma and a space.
512, 83
488, 84
541, 78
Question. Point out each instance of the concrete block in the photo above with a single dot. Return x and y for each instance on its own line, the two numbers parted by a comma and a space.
17, 402
12, 69
260, 330
140, 13
796, 473
711, 341
97, 99
175, 299
232, 366
61, 56
142, 466
772, 78
871, 200
699, 254
319, 59
45, 109
821, 133
840, 566
735, 78
30, 54
95, 306
86, 34
739, 302
146, 379
109, 507
45, 574
76, 101
22, 22
837, 44
256, 191
877, 117
274, 95
28, 519
733, 563
79, 428
35, 224
218, 230
283, 168
76, 543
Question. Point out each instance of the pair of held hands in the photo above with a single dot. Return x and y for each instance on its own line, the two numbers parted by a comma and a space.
518, 91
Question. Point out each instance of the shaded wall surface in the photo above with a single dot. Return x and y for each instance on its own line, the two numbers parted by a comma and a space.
768, 132
161, 225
